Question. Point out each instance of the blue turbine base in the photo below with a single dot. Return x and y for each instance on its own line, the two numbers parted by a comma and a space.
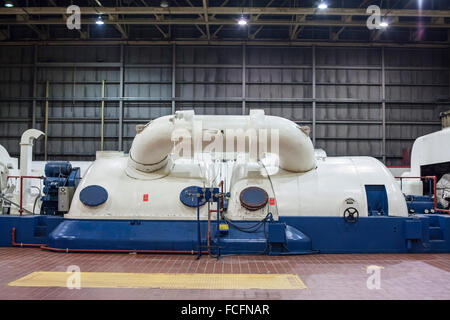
289, 235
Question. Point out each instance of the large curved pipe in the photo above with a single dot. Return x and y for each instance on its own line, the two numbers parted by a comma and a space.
153, 144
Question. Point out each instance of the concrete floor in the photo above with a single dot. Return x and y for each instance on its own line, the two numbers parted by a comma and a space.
327, 276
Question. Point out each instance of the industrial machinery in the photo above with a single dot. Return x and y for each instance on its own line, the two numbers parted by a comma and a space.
60, 183
6, 190
427, 185
230, 185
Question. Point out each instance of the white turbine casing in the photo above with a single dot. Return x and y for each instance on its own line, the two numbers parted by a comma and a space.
6, 164
303, 186
432, 148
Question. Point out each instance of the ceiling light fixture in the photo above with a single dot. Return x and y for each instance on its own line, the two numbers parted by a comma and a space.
9, 4
384, 24
322, 5
99, 20
242, 21
164, 4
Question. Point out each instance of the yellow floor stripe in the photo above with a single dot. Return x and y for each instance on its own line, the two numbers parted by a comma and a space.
164, 280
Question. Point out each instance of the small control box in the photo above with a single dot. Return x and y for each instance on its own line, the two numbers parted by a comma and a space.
223, 228
65, 195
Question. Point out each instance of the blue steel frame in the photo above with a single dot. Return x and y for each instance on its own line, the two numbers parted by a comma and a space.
303, 235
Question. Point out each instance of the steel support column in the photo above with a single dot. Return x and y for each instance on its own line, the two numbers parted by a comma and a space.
314, 94
244, 64
35, 71
174, 74
121, 92
383, 106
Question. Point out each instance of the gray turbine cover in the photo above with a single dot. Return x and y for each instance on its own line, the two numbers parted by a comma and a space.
443, 190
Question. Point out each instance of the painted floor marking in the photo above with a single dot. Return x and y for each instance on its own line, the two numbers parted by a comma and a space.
164, 280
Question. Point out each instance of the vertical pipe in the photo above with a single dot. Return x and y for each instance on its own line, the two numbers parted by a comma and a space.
21, 195
122, 67
209, 227
46, 119
33, 110
314, 94
199, 239
74, 73
244, 65
217, 231
383, 105
174, 72
103, 115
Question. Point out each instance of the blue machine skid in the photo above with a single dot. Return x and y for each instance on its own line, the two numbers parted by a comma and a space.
289, 235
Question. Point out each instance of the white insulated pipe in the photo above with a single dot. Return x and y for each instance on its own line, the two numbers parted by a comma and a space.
26, 158
152, 146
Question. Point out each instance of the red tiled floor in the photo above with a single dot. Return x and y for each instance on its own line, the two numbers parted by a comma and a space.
327, 276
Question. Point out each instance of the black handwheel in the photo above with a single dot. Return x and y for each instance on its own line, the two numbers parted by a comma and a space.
351, 215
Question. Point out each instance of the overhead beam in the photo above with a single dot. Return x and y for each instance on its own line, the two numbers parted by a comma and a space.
217, 31
296, 29
164, 34
137, 21
23, 19
253, 35
205, 13
4, 35
223, 11
305, 43
335, 36
112, 17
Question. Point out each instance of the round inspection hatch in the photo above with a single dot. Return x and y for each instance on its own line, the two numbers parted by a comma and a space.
93, 196
253, 198
188, 197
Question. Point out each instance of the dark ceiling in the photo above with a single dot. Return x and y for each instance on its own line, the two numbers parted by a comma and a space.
410, 21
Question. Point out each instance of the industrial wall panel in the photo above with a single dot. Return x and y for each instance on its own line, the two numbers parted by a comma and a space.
287, 56
199, 74
16, 54
340, 56
14, 110
415, 57
15, 82
414, 112
89, 111
364, 93
222, 55
10, 133
348, 92
78, 54
148, 82
145, 110
348, 112
350, 148
278, 83
211, 108
299, 112
148, 55
341, 77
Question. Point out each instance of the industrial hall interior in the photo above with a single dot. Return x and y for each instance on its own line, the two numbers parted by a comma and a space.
224, 150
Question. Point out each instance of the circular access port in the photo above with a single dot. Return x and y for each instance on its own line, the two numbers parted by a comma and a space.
188, 197
93, 196
253, 198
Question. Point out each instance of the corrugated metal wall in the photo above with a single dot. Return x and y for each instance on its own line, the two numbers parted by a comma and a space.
359, 101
